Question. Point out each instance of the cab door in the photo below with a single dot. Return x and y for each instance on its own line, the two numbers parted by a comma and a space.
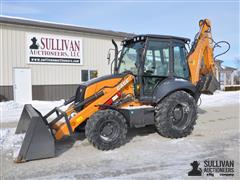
156, 67
180, 65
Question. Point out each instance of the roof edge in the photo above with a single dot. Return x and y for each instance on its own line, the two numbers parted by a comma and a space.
45, 24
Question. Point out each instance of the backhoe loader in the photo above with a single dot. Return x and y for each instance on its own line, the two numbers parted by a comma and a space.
155, 80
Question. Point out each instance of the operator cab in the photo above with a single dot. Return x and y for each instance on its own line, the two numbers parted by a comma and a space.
152, 59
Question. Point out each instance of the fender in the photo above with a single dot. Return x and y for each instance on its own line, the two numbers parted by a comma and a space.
170, 85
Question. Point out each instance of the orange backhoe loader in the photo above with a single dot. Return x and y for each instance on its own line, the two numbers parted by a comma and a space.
155, 81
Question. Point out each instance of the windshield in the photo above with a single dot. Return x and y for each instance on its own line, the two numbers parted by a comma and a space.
130, 57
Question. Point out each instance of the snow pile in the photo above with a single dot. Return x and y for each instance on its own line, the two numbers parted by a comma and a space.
9, 142
220, 98
10, 111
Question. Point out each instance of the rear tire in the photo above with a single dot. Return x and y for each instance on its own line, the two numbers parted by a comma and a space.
175, 115
106, 129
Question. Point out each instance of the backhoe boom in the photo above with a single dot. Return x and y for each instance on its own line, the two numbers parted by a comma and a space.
200, 58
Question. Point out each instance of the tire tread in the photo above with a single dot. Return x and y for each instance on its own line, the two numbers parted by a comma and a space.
161, 119
92, 136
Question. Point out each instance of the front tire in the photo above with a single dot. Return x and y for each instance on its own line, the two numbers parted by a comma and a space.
106, 129
175, 115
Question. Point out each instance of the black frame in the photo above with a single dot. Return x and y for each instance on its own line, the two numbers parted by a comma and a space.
172, 42
140, 71
171, 56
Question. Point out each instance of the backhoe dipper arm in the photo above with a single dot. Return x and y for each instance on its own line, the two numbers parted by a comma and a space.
200, 58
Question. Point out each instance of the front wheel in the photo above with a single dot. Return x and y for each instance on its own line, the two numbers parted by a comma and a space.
175, 115
106, 129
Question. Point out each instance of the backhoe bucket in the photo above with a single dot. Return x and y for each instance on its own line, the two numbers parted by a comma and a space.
211, 85
208, 84
38, 142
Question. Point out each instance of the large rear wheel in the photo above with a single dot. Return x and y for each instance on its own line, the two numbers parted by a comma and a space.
176, 114
106, 129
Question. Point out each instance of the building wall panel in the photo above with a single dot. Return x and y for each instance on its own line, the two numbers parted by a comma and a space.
6, 93
95, 48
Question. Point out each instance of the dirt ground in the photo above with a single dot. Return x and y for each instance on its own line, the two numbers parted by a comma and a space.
146, 155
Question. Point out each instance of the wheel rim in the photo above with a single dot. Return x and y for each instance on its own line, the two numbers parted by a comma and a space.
177, 114
109, 129
180, 115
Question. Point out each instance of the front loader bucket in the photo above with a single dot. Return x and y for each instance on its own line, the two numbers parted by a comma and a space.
38, 142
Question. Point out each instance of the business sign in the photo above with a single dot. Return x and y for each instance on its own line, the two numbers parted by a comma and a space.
52, 49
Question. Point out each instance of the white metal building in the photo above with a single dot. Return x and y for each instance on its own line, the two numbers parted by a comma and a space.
47, 61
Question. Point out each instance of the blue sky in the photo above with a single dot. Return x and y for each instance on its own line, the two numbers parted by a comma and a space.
172, 17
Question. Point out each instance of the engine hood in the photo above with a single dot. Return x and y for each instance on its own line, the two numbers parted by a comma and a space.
102, 78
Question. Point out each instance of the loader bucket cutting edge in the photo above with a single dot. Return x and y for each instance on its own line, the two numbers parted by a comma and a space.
38, 142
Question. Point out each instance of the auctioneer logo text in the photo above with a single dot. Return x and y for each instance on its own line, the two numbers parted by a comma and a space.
46, 48
212, 168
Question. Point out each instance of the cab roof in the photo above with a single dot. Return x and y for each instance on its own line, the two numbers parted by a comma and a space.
159, 37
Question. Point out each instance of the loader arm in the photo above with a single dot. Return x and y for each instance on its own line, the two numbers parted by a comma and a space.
200, 58
107, 93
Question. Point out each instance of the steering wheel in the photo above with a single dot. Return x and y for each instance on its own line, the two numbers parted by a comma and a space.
127, 72
149, 72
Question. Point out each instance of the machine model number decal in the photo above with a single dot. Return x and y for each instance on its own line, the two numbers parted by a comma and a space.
122, 84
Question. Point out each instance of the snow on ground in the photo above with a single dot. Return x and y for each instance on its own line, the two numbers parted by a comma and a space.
10, 142
220, 98
10, 111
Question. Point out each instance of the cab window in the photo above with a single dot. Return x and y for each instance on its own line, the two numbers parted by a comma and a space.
180, 62
157, 59
130, 57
